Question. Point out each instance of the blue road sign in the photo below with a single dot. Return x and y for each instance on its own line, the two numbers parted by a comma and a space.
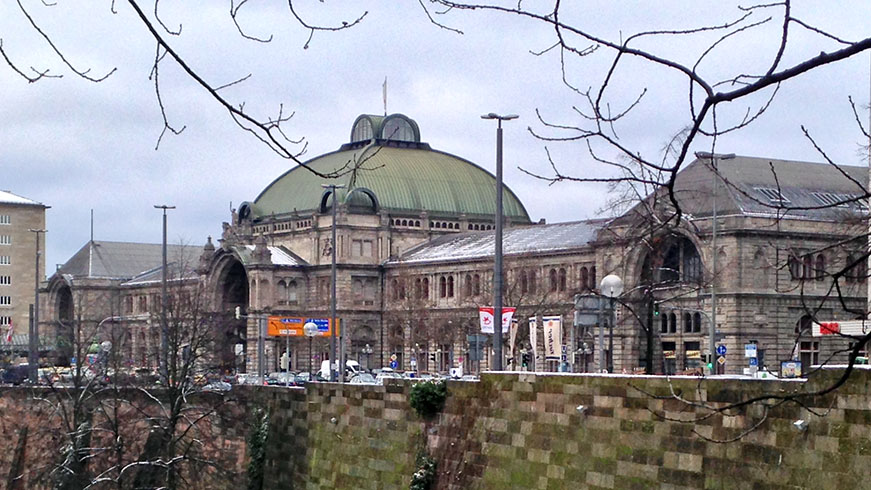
721, 350
394, 364
754, 361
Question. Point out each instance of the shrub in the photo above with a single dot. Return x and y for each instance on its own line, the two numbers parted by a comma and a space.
428, 398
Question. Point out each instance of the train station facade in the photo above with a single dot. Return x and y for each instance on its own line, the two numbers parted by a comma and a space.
414, 252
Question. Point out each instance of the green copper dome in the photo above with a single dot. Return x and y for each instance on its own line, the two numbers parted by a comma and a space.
394, 172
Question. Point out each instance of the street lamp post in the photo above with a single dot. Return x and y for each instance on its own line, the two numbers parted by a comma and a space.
497, 269
367, 350
164, 328
611, 287
332, 188
33, 344
310, 330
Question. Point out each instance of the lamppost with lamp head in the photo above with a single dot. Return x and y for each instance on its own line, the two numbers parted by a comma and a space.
497, 273
310, 329
611, 287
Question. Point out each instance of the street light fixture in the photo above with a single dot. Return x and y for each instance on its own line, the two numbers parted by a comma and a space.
611, 287
164, 328
310, 329
33, 344
497, 272
367, 350
332, 188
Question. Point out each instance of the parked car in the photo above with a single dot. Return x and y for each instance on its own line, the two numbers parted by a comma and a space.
218, 386
281, 379
363, 379
387, 374
15, 374
247, 379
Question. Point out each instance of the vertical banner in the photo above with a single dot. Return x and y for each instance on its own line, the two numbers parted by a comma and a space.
512, 337
552, 337
533, 337
486, 314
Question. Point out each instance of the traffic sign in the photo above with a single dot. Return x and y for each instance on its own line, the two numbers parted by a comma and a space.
721, 350
749, 350
721, 360
754, 361
394, 364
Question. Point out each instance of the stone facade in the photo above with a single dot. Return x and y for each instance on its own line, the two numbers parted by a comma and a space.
415, 259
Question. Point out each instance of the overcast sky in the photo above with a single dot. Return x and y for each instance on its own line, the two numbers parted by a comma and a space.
76, 145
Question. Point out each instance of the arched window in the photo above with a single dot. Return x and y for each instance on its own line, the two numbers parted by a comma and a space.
794, 267
467, 286
663, 324
672, 323
362, 130
821, 267
476, 284
418, 291
443, 287
562, 279
593, 284
697, 322
532, 282
450, 286
554, 282
395, 287
524, 282
425, 288
397, 129
808, 267
584, 279
687, 323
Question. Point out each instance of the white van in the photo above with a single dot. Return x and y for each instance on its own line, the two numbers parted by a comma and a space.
351, 368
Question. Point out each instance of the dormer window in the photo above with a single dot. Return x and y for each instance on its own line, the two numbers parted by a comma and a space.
397, 129
774, 196
362, 130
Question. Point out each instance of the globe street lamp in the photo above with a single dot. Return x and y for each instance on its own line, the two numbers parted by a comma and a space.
611, 287
497, 269
310, 329
367, 350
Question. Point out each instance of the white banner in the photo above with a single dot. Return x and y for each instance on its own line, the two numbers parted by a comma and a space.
512, 337
533, 337
552, 337
485, 314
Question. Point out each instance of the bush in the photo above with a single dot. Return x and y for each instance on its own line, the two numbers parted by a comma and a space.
428, 398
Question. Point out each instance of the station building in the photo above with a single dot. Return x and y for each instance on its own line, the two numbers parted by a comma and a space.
414, 263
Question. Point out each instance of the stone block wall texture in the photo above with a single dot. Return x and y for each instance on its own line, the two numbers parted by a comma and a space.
524, 431
519, 431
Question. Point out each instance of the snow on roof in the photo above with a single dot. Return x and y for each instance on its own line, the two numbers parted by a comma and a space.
279, 256
526, 239
7, 197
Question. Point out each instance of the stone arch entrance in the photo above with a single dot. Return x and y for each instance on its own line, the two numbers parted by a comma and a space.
232, 291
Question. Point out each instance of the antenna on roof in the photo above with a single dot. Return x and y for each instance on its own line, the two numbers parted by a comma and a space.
384, 95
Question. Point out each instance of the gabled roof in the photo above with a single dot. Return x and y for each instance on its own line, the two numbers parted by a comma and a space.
124, 260
7, 197
519, 240
756, 186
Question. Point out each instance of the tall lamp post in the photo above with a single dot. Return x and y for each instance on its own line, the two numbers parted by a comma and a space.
611, 287
164, 328
333, 325
497, 269
310, 330
33, 338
